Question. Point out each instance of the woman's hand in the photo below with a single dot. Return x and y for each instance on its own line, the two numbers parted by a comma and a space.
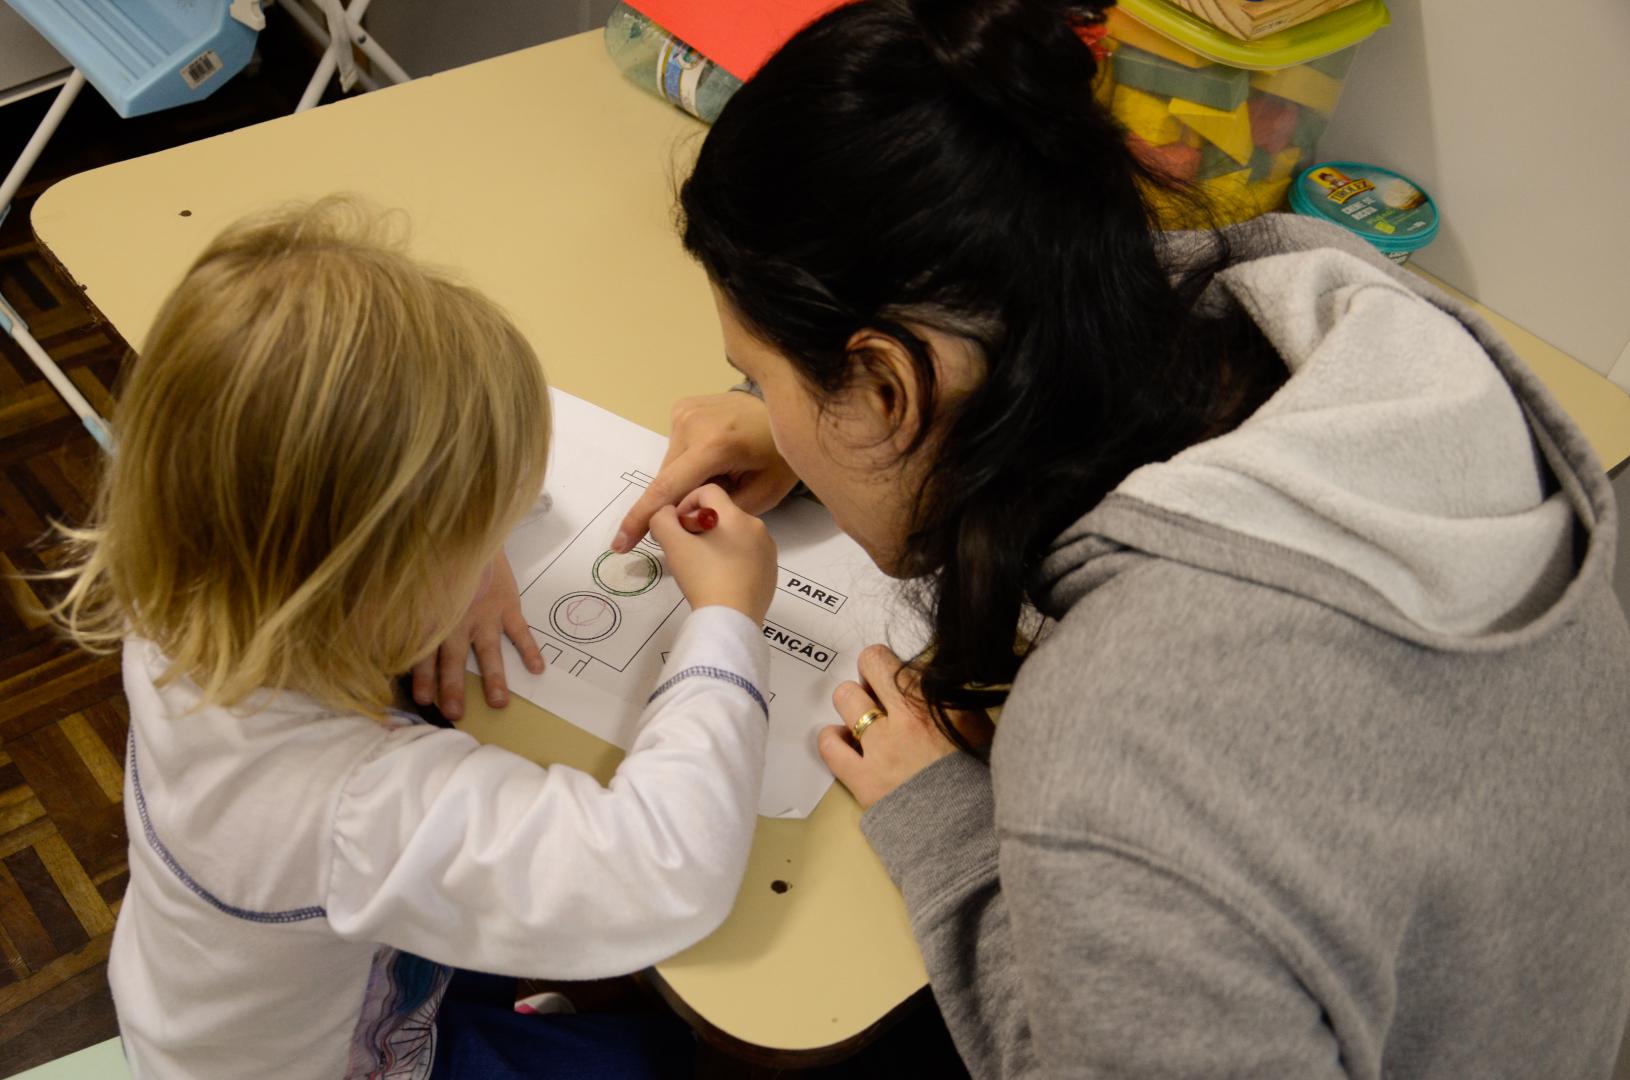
721, 437
495, 611
732, 564
897, 745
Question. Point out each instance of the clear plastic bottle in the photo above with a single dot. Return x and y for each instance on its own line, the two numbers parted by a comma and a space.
666, 66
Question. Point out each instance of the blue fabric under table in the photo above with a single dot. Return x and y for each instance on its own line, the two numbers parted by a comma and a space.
480, 1036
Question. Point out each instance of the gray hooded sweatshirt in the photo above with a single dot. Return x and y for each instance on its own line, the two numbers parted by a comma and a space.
1324, 768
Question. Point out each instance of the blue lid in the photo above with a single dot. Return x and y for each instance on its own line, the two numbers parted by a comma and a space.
1390, 211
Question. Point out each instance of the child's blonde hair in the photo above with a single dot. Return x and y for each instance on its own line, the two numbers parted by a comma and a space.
316, 452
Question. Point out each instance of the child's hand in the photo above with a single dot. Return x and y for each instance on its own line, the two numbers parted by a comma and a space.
495, 611
732, 563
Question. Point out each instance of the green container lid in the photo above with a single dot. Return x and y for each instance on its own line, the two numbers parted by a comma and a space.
1341, 29
1392, 212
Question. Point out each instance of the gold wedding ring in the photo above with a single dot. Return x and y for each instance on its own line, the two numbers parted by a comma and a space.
867, 719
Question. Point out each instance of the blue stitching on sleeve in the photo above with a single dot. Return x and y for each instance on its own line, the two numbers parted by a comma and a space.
703, 671
291, 916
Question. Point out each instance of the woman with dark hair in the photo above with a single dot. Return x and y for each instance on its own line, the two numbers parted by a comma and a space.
1291, 580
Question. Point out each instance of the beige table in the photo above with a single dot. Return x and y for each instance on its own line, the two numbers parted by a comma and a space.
547, 181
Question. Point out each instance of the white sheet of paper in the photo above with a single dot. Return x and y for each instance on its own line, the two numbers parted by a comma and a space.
605, 622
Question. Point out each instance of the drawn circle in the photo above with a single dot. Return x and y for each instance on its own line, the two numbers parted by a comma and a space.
629, 574
585, 616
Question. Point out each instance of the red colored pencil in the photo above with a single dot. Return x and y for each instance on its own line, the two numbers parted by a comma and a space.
699, 520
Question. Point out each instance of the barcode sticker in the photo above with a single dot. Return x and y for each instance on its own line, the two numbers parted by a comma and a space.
199, 71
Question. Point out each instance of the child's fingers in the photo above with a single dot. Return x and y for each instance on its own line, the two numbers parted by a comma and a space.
489, 658
711, 496
666, 529
521, 634
424, 680
450, 676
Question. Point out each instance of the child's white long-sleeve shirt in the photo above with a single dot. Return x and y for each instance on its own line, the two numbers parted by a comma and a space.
300, 877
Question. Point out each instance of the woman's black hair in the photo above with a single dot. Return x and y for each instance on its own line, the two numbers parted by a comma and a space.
943, 163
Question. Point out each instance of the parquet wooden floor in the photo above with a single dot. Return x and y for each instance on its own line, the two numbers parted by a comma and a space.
62, 712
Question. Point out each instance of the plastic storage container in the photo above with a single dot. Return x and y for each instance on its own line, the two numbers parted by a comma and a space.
147, 55
1392, 212
1238, 119
656, 60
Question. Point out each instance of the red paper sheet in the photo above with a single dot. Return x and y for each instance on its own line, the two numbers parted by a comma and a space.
738, 35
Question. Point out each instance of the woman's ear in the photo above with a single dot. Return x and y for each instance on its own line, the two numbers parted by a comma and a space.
884, 391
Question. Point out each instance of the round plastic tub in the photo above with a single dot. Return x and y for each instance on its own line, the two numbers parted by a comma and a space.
1236, 120
1392, 212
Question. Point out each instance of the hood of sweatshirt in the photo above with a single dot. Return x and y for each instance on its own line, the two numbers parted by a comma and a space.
1411, 471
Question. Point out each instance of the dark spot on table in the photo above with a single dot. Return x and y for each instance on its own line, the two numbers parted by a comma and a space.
779, 886
186, 213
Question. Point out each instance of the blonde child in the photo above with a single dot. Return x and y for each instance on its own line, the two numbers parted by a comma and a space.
319, 454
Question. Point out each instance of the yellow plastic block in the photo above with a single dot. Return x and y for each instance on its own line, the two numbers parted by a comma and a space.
1303, 85
1229, 131
1146, 116
1124, 28
1284, 164
1269, 195
1193, 138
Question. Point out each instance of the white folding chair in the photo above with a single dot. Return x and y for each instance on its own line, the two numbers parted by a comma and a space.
142, 56
343, 31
